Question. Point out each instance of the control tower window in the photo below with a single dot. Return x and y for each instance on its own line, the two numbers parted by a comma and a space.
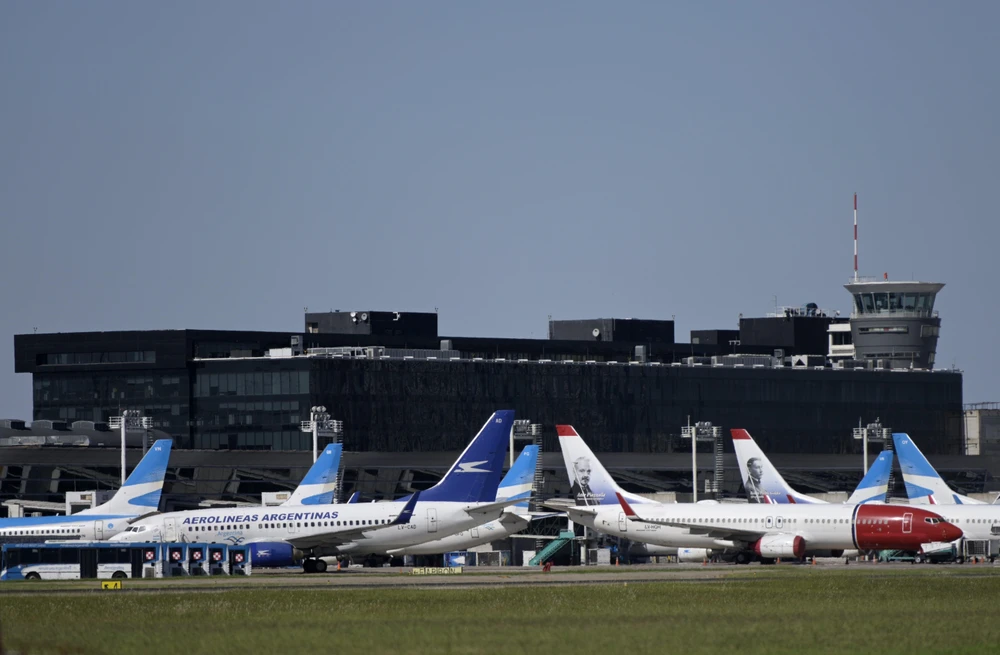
881, 302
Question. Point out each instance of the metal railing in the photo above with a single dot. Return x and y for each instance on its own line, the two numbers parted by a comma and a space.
901, 313
973, 406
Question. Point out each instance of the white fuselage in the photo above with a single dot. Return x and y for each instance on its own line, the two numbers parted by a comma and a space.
291, 523
822, 526
92, 527
475, 536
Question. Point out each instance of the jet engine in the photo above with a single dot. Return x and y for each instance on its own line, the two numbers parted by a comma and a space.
780, 545
274, 554
693, 554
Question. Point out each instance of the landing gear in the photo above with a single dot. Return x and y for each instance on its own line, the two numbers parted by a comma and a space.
742, 558
313, 565
764, 561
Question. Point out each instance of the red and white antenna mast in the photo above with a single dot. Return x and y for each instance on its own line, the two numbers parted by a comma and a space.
855, 237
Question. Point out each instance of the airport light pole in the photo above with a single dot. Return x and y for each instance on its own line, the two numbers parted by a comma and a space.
130, 419
700, 431
871, 432
320, 421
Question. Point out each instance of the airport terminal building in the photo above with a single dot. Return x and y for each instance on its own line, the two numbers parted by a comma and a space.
410, 399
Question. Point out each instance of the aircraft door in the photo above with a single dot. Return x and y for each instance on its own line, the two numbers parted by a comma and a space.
778, 522
622, 522
169, 530
769, 522
475, 532
432, 519
98, 531
907, 522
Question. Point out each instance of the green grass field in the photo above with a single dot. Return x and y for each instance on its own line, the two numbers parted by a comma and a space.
835, 611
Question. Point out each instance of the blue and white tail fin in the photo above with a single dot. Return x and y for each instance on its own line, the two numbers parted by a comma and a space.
761, 481
923, 484
355, 497
590, 483
874, 487
320, 481
475, 475
141, 492
520, 479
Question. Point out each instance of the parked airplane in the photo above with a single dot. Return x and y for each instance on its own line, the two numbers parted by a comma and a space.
465, 497
745, 532
517, 484
763, 484
923, 484
139, 496
767, 532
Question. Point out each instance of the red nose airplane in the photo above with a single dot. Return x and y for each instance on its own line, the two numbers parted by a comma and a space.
772, 531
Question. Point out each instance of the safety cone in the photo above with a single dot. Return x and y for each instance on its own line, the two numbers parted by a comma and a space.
338, 564
616, 561
814, 560
704, 562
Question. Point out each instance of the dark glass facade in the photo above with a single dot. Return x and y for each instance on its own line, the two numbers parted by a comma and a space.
220, 390
404, 418
395, 405
255, 404
163, 395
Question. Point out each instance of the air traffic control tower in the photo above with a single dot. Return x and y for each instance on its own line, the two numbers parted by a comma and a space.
894, 324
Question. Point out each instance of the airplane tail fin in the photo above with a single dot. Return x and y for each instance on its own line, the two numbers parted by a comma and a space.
475, 475
761, 481
923, 484
141, 492
590, 482
318, 485
355, 497
520, 479
874, 487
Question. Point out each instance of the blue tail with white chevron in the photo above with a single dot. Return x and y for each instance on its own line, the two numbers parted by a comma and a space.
141, 492
520, 479
320, 481
475, 475
923, 484
874, 487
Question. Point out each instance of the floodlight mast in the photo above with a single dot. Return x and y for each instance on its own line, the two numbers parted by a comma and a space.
702, 431
320, 421
130, 419
871, 432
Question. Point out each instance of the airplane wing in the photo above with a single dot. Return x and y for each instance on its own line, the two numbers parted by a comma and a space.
491, 508
351, 534
576, 513
713, 531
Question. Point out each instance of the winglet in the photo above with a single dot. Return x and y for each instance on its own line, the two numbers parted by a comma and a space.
407, 513
629, 512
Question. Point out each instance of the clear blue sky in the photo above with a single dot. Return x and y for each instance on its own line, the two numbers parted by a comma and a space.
225, 164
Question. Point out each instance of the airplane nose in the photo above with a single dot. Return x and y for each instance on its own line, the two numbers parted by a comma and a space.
951, 532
